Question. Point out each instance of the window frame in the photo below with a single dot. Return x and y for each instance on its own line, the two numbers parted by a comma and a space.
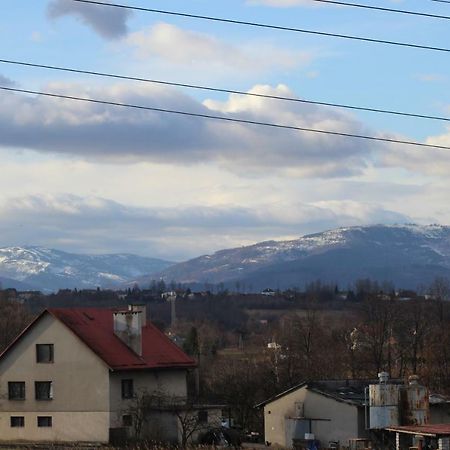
41, 421
127, 385
50, 391
21, 420
22, 390
51, 353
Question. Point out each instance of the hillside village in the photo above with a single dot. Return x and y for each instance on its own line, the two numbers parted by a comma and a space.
225, 225
190, 366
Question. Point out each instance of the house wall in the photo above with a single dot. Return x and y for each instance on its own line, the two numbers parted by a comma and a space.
80, 381
340, 424
170, 383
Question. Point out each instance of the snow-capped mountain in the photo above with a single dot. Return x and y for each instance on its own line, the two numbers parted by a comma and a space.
49, 270
408, 255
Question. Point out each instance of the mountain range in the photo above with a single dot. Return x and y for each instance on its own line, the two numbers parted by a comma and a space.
46, 269
407, 255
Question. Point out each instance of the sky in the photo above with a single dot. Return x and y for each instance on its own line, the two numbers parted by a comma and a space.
93, 178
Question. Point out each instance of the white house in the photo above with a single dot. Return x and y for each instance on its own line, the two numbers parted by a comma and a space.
332, 411
75, 375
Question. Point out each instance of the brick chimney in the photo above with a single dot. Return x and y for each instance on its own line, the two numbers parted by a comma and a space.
128, 326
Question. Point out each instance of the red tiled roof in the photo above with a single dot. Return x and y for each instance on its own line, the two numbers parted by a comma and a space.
94, 326
438, 429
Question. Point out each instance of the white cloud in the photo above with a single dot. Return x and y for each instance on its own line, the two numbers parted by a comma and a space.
93, 224
432, 162
121, 135
184, 47
110, 23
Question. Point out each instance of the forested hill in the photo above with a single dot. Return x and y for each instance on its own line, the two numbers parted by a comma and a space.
406, 255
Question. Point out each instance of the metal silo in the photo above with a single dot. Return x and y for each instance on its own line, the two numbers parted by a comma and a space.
384, 403
415, 403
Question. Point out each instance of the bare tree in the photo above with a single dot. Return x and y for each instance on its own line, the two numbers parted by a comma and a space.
190, 418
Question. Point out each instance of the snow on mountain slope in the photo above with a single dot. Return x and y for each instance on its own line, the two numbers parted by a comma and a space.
49, 269
408, 255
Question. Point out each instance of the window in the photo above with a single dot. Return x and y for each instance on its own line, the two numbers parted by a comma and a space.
127, 388
16, 390
203, 416
17, 421
44, 353
127, 420
44, 421
44, 390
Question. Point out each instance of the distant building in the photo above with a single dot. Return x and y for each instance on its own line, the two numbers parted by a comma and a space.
335, 412
269, 292
75, 375
332, 411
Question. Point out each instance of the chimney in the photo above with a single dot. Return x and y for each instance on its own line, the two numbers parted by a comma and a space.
128, 326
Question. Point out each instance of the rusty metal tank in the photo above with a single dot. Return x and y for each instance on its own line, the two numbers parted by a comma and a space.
384, 403
415, 403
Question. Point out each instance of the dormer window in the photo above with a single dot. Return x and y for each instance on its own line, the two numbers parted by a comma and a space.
44, 353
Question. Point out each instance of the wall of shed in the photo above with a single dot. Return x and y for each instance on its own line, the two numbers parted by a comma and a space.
344, 420
80, 380
276, 413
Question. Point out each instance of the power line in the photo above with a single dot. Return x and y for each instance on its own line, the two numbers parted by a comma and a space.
221, 90
226, 119
392, 10
441, 1
268, 26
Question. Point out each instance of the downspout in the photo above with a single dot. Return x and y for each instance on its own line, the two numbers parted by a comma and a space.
366, 407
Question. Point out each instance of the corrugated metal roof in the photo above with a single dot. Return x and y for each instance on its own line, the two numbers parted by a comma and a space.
424, 430
94, 326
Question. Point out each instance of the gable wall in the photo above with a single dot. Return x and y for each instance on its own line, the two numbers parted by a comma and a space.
80, 380
275, 414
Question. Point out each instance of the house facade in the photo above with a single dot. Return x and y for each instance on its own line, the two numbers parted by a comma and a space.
331, 412
76, 375
335, 412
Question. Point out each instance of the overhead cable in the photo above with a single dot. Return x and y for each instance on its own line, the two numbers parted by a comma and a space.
267, 26
221, 90
225, 119
382, 9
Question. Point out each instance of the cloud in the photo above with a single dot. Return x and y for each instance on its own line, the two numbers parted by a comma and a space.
122, 135
184, 47
431, 77
97, 225
110, 23
433, 162
4, 81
